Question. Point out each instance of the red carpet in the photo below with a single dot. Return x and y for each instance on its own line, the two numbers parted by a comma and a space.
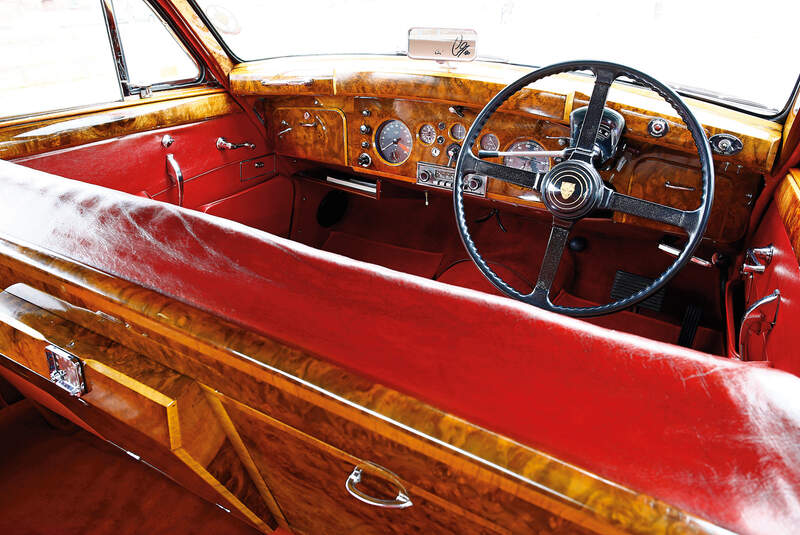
55, 482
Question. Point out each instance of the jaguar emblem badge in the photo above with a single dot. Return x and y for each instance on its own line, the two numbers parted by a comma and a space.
567, 189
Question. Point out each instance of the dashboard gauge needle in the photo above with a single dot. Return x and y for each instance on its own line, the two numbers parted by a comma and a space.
405, 148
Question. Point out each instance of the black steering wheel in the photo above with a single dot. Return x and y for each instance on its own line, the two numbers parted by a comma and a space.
573, 188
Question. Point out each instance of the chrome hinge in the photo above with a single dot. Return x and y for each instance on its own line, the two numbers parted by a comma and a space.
66, 370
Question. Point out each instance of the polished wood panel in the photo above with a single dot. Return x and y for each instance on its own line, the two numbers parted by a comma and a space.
640, 169
672, 179
308, 478
787, 200
252, 369
316, 134
169, 408
44, 134
473, 84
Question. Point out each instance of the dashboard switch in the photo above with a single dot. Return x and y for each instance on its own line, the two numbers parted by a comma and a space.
658, 127
365, 129
364, 160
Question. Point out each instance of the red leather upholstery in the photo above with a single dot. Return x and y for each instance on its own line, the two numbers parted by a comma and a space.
717, 437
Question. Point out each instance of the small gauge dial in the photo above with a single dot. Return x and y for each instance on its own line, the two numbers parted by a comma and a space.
536, 164
458, 131
427, 134
394, 142
490, 142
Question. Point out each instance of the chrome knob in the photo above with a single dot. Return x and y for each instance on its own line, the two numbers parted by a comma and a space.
365, 129
658, 127
424, 176
474, 183
364, 160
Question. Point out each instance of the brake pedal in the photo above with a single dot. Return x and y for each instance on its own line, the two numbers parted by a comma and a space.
626, 284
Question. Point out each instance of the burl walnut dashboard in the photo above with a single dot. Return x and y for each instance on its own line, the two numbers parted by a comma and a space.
393, 119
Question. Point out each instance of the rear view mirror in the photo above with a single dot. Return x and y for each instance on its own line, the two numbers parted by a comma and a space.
442, 44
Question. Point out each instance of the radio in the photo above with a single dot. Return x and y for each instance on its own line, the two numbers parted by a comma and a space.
439, 176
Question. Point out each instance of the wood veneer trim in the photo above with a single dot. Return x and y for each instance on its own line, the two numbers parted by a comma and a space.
189, 461
336, 452
244, 455
787, 201
40, 136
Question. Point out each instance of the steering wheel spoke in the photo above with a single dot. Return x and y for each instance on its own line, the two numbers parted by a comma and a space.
584, 147
559, 234
512, 175
618, 202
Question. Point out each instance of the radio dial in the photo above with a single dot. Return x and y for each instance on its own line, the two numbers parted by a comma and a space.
424, 176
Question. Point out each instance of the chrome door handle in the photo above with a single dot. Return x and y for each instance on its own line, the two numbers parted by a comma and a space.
174, 172
222, 144
757, 259
400, 502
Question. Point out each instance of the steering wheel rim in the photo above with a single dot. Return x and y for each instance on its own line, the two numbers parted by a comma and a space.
578, 168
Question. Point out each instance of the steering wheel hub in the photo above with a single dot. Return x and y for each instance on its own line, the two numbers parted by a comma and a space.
570, 189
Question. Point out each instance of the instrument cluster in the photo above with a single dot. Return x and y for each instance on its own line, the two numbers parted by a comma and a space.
420, 141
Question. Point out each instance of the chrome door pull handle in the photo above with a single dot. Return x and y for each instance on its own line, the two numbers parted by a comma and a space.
756, 321
222, 144
400, 502
175, 173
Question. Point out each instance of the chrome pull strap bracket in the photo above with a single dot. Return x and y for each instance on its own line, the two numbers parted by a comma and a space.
66, 370
175, 173
756, 320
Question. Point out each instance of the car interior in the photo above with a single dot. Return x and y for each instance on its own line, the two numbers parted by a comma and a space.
397, 165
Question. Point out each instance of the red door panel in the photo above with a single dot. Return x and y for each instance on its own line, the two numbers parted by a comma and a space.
136, 163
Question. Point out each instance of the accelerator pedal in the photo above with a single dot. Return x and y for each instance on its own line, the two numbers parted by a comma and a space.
689, 325
626, 284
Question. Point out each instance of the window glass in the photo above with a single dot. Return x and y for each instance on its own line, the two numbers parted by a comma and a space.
54, 54
152, 53
739, 50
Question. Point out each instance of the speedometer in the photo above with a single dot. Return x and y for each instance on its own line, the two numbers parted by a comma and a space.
536, 164
393, 141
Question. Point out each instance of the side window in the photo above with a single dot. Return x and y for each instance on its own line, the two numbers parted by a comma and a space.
153, 55
60, 54
54, 55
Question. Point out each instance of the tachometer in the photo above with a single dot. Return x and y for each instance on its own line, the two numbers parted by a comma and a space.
537, 164
393, 141
427, 134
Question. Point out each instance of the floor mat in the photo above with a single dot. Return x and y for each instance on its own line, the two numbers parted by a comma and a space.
465, 273
55, 482
412, 261
706, 339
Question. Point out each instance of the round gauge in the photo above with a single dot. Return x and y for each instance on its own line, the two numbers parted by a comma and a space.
427, 134
490, 142
537, 164
393, 141
458, 131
